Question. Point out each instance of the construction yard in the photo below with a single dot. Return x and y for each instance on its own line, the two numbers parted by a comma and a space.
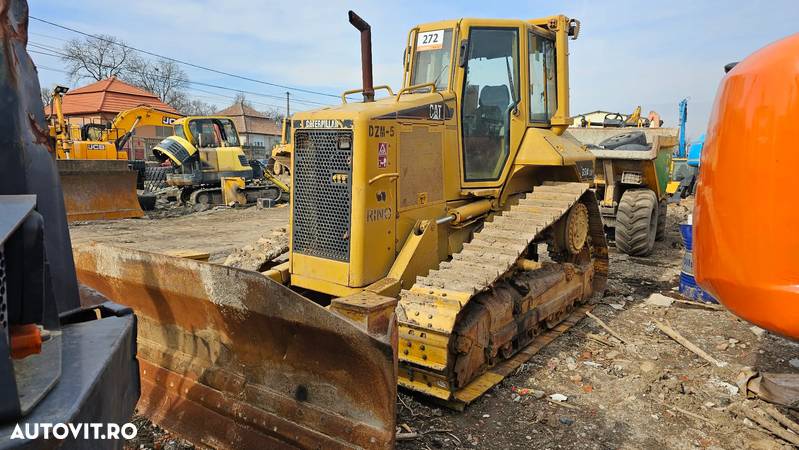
646, 392
244, 226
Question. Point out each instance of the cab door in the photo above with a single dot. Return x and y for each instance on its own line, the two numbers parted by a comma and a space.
492, 124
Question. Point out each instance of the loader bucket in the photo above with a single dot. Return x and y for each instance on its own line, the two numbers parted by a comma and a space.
232, 359
98, 189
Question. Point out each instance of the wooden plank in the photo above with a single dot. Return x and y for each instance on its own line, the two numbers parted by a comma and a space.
197, 255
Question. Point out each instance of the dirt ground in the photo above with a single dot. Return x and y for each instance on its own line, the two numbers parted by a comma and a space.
650, 392
216, 231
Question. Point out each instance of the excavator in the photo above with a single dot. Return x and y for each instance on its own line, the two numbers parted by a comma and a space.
98, 179
439, 237
210, 166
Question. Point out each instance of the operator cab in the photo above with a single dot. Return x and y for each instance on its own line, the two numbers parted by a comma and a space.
209, 132
486, 64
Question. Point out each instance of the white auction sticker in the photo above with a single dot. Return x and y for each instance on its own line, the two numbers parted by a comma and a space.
430, 40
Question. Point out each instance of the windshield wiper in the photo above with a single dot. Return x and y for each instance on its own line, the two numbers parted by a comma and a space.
435, 82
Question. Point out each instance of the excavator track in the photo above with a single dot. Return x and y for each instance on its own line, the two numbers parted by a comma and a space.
511, 290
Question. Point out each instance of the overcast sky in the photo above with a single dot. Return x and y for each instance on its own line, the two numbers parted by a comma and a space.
629, 53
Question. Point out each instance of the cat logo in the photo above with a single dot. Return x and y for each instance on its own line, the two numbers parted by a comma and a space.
436, 111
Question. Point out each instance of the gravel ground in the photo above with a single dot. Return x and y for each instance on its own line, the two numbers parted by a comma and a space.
650, 393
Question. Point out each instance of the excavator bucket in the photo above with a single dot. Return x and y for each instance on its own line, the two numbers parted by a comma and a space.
232, 359
98, 189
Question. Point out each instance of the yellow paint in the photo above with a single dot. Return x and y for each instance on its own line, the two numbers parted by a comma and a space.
412, 259
279, 273
69, 143
232, 191
390, 247
376, 245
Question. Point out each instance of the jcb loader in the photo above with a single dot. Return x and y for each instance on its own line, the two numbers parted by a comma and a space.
99, 180
439, 237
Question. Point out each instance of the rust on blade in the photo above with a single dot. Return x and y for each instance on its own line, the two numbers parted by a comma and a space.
231, 359
98, 189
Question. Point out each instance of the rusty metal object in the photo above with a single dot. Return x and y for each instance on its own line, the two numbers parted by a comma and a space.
366, 55
98, 189
576, 228
231, 359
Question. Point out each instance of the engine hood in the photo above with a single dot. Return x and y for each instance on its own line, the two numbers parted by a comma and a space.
423, 106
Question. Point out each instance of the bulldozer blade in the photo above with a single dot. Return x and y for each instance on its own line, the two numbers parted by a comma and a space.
232, 359
98, 189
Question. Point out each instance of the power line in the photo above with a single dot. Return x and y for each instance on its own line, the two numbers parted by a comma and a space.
196, 66
58, 53
53, 69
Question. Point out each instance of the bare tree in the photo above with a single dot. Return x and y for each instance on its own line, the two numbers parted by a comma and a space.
193, 107
95, 58
47, 96
274, 113
163, 78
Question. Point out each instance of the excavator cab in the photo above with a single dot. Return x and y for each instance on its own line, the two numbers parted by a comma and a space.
92, 131
209, 163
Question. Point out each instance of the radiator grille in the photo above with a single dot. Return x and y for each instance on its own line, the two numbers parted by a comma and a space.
322, 194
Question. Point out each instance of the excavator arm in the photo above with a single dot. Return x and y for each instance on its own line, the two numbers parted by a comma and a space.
141, 115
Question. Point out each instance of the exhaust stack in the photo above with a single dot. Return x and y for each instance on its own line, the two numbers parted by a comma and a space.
366, 55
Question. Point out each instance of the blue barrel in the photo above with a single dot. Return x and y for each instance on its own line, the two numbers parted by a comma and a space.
688, 287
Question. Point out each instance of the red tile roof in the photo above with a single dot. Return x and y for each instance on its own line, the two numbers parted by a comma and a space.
248, 120
109, 96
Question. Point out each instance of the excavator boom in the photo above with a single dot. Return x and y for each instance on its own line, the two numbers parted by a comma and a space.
97, 179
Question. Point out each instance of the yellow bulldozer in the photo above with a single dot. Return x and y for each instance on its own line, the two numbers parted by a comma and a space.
281, 153
210, 166
439, 237
98, 179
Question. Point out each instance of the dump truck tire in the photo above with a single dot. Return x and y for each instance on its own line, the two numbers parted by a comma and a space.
636, 222
662, 213
632, 137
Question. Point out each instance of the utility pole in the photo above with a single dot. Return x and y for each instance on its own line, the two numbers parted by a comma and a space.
288, 108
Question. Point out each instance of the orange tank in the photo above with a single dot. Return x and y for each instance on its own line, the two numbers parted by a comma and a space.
746, 218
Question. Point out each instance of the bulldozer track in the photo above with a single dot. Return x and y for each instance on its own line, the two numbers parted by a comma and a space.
467, 324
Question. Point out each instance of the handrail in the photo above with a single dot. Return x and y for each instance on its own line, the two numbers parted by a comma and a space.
384, 175
432, 87
356, 91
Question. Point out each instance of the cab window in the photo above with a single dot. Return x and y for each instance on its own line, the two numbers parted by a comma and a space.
543, 82
179, 131
490, 94
229, 133
431, 63
207, 133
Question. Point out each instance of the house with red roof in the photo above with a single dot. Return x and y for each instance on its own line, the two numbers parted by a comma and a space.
258, 132
101, 101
